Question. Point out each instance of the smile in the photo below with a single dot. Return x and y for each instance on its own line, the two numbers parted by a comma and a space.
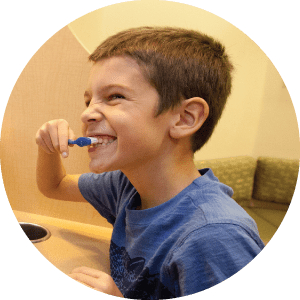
102, 142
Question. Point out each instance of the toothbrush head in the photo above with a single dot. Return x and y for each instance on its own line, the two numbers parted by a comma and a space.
93, 140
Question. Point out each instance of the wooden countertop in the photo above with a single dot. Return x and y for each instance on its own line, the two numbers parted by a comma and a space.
72, 244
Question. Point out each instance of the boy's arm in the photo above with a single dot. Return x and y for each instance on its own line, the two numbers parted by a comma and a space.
52, 180
212, 254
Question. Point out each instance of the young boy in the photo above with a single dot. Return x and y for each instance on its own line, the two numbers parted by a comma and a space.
154, 97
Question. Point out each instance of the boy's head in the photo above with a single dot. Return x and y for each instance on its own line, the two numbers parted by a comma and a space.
180, 64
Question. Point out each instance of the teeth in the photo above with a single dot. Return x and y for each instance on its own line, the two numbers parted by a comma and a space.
103, 142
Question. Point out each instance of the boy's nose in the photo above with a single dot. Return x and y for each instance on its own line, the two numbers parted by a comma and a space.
91, 114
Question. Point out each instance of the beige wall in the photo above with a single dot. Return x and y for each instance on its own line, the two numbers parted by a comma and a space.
50, 87
277, 133
259, 118
259, 113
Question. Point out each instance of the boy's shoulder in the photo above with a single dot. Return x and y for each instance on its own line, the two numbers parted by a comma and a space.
212, 204
213, 217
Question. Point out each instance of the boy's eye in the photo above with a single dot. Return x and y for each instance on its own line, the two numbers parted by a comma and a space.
115, 97
109, 98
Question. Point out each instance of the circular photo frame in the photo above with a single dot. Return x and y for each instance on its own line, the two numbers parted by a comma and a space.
257, 135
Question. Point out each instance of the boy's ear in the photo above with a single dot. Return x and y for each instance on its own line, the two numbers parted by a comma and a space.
189, 117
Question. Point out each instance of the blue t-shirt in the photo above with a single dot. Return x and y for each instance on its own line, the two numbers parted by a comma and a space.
190, 243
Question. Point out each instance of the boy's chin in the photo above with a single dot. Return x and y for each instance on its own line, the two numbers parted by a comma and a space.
100, 168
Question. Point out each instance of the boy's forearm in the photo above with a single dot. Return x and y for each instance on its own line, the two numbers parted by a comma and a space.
49, 172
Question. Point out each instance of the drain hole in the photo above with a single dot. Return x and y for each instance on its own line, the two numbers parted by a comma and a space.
35, 233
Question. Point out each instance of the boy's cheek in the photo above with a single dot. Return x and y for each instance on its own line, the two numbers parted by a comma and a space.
83, 129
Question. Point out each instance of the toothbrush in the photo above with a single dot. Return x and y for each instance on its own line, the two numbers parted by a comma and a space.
83, 141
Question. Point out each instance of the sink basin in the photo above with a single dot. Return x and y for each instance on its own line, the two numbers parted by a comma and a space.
36, 233
71, 244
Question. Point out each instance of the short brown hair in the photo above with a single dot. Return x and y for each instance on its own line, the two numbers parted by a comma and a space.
180, 64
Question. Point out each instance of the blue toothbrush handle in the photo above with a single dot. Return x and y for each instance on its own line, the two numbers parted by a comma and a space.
81, 142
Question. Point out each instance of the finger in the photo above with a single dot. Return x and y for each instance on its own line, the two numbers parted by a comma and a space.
63, 135
74, 277
88, 271
52, 139
84, 284
71, 136
43, 145
47, 141
43, 137
97, 280
87, 280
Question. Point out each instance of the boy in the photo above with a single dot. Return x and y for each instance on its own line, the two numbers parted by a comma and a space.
154, 97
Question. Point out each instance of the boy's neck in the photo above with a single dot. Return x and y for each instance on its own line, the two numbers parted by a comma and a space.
158, 182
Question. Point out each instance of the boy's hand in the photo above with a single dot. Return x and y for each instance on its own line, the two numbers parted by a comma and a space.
53, 137
97, 280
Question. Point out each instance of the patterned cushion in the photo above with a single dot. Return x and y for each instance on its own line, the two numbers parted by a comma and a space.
236, 172
275, 179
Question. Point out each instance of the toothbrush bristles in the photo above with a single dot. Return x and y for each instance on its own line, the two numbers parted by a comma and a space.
93, 140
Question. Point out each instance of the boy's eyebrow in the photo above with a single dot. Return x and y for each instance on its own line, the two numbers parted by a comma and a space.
108, 87
117, 85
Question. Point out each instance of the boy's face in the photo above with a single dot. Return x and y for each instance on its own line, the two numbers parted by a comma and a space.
121, 107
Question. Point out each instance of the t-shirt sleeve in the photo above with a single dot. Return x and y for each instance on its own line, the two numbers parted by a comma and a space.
104, 192
209, 255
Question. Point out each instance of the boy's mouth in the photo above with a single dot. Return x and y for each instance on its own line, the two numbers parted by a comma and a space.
103, 140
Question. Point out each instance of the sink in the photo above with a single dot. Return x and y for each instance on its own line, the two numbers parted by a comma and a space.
71, 244
36, 233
